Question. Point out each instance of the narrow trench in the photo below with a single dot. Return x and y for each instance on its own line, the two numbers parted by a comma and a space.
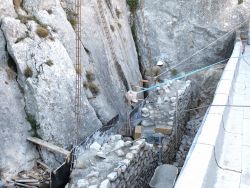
190, 130
175, 147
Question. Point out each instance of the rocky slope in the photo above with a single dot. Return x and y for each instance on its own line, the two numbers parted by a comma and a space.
41, 97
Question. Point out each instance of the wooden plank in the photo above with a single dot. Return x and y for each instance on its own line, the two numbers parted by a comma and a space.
27, 181
164, 130
49, 146
138, 132
24, 185
43, 165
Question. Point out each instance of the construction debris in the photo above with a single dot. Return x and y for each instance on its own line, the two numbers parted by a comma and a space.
39, 176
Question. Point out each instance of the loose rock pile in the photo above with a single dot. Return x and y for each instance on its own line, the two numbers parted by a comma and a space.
119, 162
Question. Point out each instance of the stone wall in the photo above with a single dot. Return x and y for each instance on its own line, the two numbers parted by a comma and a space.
160, 113
120, 162
201, 156
117, 163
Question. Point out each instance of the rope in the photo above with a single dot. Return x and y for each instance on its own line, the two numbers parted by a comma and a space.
197, 52
188, 74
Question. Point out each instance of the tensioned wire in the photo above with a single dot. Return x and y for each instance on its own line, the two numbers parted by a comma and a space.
197, 52
188, 74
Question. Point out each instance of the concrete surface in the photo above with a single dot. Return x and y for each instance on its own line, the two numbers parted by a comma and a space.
220, 153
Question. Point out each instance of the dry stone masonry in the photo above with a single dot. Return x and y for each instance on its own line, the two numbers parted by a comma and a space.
119, 162
165, 113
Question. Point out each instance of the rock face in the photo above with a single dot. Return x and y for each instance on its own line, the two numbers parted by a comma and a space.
15, 151
7, 9
44, 63
174, 30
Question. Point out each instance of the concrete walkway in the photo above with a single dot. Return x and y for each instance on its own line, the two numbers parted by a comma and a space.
234, 156
220, 154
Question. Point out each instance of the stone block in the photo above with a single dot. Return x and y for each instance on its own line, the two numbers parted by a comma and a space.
93, 186
93, 174
123, 168
105, 184
126, 162
118, 170
130, 156
137, 147
137, 133
112, 176
120, 153
170, 123
82, 183
119, 144
128, 143
140, 142
147, 123
95, 146
118, 137
144, 110
135, 152
164, 130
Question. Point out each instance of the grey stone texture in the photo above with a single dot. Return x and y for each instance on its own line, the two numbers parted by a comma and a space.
47, 94
132, 170
16, 153
174, 30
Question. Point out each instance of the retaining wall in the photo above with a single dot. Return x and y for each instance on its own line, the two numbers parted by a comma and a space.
200, 166
127, 164
133, 165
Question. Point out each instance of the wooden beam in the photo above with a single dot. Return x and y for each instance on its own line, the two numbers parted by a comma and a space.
138, 132
43, 165
24, 185
164, 130
49, 146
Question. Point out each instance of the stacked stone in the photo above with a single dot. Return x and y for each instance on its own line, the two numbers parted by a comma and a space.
159, 113
172, 143
133, 165
138, 165
160, 107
